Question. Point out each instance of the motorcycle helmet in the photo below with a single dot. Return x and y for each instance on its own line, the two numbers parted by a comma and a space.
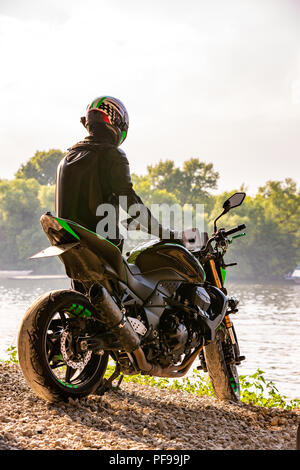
112, 113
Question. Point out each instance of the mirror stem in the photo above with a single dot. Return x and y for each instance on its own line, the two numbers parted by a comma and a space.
215, 222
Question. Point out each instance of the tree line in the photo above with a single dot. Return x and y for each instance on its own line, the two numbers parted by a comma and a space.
270, 249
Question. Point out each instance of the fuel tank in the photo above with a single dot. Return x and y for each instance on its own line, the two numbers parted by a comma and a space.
158, 254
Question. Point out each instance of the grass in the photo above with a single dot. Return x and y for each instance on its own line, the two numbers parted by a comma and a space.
255, 389
12, 355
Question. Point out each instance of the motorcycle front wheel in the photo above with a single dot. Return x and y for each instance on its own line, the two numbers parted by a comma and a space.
52, 363
221, 367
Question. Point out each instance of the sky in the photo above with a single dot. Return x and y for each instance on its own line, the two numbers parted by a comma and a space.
217, 80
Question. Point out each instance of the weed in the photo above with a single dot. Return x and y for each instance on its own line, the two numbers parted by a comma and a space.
12, 355
255, 389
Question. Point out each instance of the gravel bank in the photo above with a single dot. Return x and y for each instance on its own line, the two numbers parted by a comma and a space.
137, 417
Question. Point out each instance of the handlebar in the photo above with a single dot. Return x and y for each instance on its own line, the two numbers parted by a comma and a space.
219, 235
234, 230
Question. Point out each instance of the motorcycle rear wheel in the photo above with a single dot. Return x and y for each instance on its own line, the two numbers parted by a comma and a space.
223, 373
50, 366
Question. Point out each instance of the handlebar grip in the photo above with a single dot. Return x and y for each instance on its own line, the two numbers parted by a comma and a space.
236, 229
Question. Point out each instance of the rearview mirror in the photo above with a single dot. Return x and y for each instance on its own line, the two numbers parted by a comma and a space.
233, 201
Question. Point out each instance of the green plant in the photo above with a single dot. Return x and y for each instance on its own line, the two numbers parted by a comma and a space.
12, 355
257, 391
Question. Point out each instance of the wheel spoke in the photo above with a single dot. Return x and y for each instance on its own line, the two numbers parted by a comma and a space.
63, 319
51, 349
69, 374
57, 365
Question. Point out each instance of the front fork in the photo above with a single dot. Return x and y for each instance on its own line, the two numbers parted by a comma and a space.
218, 284
232, 304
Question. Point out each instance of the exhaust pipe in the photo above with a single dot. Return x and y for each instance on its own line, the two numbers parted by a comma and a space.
153, 369
110, 314
115, 319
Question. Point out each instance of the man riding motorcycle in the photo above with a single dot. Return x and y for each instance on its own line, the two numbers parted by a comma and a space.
96, 171
152, 313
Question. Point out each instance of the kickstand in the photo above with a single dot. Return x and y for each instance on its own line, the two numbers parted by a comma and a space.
106, 384
119, 382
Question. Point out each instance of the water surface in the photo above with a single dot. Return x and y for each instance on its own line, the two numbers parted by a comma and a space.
267, 325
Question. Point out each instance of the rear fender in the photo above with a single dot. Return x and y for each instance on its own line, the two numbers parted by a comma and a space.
54, 250
85, 255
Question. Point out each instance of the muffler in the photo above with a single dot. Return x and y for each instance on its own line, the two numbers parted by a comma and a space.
114, 318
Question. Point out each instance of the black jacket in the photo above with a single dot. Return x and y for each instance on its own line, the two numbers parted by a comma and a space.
94, 173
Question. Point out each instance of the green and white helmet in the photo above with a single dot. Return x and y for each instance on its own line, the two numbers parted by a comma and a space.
112, 113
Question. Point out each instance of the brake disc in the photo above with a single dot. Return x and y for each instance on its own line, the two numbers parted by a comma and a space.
76, 362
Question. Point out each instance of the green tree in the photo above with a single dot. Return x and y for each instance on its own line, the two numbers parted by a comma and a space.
21, 234
271, 246
42, 167
281, 200
150, 195
270, 249
190, 185
46, 197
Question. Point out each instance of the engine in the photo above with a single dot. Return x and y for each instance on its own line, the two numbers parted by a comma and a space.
181, 325
177, 336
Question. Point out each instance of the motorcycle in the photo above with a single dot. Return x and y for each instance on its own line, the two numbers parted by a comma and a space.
153, 313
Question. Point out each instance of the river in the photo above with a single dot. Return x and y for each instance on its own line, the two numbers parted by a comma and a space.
267, 325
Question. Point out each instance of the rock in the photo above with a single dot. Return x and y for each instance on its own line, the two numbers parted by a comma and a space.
274, 421
137, 417
282, 421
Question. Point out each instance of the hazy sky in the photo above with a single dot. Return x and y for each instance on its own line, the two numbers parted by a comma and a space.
218, 80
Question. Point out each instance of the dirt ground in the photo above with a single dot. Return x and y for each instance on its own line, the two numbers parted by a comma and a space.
137, 417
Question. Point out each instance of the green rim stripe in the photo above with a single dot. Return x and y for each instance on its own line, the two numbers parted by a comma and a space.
79, 310
234, 384
67, 385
